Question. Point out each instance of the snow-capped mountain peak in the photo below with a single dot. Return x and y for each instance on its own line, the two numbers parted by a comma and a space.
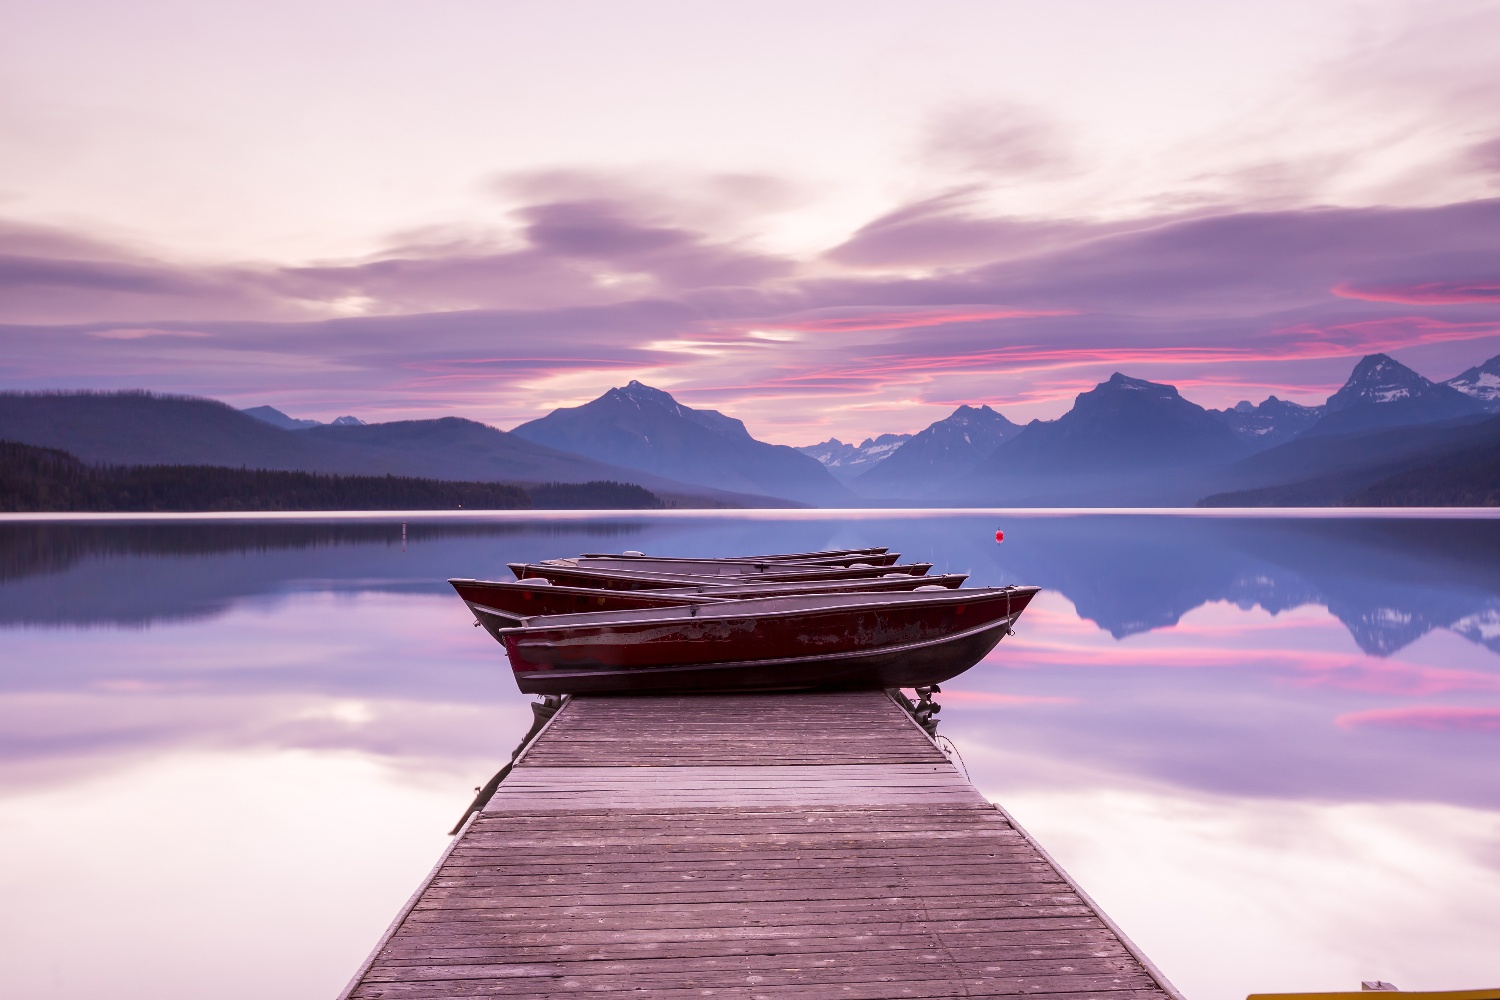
1378, 378
1482, 383
848, 460
1270, 423
1382, 392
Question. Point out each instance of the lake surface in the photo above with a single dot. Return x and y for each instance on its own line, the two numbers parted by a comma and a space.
1269, 748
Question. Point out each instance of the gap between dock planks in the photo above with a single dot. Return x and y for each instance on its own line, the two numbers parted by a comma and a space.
747, 846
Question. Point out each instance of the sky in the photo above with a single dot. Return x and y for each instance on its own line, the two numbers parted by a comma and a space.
828, 218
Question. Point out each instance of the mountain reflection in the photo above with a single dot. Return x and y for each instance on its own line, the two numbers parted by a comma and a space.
1389, 582
135, 574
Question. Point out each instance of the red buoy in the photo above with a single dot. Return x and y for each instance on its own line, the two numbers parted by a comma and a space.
999, 536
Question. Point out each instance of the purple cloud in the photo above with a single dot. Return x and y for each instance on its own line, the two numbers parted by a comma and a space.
997, 141
587, 292
594, 230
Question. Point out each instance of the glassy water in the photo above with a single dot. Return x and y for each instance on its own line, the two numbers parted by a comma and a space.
1269, 748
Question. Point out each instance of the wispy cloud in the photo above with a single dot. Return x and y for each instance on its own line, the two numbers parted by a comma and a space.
1430, 294
141, 333
1436, 718
998, 699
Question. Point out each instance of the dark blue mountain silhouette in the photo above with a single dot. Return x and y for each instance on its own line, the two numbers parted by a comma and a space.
1382, 392
1126, 442
1425, 465
1480, 383
1274, 421
1122, 425
138, 428
274, 417
942, 452
646, 429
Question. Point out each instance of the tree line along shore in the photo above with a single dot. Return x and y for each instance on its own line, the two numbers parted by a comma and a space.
47, 480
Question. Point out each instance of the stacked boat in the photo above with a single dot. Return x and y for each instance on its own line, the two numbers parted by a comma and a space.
836, 619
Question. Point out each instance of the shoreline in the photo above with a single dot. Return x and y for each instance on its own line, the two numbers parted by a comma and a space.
767, 514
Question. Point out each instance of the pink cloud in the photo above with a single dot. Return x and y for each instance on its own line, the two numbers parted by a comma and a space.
1302, 342
1387, 333
1373, 676
1436, 293
907, 319
1435, 718
995, 698
1300, 668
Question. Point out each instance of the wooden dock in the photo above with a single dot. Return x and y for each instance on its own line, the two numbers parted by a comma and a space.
803, 845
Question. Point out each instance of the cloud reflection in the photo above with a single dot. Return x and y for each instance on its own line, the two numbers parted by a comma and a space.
1442, 718
1215, 726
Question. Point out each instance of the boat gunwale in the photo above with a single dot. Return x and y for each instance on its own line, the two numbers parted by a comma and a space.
722, 609
555, 673
689, 579
760, 562
849, 585
769, 557
949, 581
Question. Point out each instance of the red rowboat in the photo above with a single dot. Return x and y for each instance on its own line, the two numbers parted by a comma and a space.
499, 604
738, 564
840, 640
587, 573
854, 555
502, 604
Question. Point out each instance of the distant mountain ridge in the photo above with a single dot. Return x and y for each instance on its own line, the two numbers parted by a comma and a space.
1385, 421
1123, 424
139, 428
46, 480
1480, 383
1271, 423
1125, 442
274, 417
1440, 464
644, 428
945, 450
845, 461
1129, 441
1382, 392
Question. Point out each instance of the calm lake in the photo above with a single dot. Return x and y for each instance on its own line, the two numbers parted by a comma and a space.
1269, 748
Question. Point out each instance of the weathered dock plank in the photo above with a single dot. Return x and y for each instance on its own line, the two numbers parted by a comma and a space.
755, 846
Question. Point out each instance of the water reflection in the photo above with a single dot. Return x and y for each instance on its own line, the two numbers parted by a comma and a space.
1283, 730
134, 574
1389, 581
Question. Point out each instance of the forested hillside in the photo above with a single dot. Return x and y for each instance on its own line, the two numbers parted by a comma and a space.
49, 480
